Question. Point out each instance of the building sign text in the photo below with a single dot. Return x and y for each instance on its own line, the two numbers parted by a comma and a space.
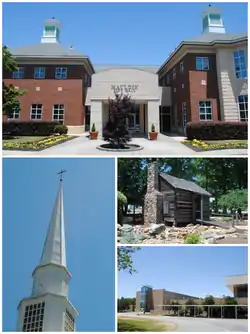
124, 88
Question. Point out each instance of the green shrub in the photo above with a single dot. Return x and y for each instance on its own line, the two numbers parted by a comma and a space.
192, 239
152, 128
29, 128
93, 129
216, 130
61, 129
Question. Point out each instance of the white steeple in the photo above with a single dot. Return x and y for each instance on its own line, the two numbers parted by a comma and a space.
48, 309
51, 31
212, 21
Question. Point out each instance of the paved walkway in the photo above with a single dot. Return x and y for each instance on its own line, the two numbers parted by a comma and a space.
198, 324
167, 146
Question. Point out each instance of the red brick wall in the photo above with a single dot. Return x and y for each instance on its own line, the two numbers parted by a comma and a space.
71, 96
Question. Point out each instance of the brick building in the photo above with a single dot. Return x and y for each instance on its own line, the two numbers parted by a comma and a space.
203, 79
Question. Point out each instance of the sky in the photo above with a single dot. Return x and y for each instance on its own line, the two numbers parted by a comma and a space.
193, 270
29, 190
117, 33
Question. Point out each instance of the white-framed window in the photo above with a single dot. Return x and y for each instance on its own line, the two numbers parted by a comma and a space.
182, 67
69, 322
202, 63
184, 114
240, 64
174, 73
15, 114
58, 113
206, 111
39, 72
243, 107
61, 73
33, 318
36, 111
19, 74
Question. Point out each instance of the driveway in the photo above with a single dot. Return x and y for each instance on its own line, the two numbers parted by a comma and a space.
165, 145
198, 324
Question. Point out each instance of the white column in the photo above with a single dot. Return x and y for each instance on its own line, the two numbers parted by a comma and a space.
96, 116
153, 115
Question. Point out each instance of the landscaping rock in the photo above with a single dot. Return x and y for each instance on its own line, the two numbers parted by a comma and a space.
156, 228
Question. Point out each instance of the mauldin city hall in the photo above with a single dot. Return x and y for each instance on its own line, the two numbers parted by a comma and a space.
203, 79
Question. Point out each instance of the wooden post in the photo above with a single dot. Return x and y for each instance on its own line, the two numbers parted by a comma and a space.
201, 210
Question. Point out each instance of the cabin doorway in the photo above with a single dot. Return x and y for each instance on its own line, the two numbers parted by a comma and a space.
197, 204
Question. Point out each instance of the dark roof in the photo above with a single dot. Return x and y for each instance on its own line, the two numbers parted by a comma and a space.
184, 184
46, 50
207, 39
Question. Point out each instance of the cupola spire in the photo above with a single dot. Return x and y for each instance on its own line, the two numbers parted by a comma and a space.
212, 21
51, 31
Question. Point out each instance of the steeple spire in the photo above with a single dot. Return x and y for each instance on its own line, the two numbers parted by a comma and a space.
54, 250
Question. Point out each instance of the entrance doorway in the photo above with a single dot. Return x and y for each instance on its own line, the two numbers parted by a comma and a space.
133, 120
165, 119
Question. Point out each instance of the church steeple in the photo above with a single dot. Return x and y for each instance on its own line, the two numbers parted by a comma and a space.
50, 282
212, 21
54, 250
51, 31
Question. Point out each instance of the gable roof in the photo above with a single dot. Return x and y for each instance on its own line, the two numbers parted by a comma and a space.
184, 184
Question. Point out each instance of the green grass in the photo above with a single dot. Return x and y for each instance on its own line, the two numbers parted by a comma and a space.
23, 139
140, 325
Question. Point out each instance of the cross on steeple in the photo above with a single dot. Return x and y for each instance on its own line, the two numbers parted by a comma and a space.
61, 173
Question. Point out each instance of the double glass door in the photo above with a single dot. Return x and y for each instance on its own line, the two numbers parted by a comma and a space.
133, 120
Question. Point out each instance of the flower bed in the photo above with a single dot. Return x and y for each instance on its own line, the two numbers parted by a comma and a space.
199, 145
36, 145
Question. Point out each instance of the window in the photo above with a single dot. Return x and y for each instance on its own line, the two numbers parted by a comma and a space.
168, 79
36, 111
61, 73
202, 63
19, 74
243, 107
15, 114
33, 318
182, 67
174, 74
205, 108
69, 324
58, 113
39, 73
184, 114
240, 64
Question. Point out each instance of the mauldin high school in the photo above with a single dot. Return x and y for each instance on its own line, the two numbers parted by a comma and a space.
203, 79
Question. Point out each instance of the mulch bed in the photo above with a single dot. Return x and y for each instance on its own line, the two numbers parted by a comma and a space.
199, 149
40, 149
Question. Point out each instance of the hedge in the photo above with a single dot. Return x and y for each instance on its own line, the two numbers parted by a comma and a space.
29, 128
216, 130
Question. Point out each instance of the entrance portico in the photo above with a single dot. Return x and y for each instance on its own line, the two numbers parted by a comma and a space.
140, 84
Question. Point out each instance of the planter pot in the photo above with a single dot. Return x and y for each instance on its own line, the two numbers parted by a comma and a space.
93, 135
153, 135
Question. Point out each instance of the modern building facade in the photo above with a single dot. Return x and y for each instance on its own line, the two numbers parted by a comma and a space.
203, 79
48, 309
156, 300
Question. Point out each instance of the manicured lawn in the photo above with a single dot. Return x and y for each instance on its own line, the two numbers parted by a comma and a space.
31, 143
207, 145
23, 139
140, 325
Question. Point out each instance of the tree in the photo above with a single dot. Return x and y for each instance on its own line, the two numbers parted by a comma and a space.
122, 200
235, 199
229, 312
124, 258
115, 132
9, 94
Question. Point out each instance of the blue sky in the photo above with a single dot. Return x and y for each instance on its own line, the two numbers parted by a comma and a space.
125, 33
192, 270
29, 191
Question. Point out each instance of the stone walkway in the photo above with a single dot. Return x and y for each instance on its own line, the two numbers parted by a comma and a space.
82, 146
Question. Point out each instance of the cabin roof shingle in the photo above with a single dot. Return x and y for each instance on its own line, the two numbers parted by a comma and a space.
184, 184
